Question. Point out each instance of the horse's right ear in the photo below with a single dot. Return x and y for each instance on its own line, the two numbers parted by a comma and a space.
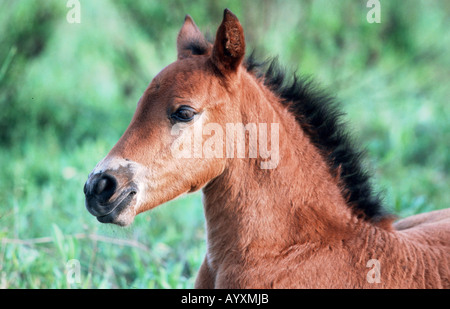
229, 47
191, 41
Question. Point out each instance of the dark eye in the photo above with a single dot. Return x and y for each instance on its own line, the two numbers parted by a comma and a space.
184, 114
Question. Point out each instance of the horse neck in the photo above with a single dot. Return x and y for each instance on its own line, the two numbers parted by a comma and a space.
297, 201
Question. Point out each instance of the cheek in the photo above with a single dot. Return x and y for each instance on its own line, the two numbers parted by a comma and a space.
180, 159
209, 169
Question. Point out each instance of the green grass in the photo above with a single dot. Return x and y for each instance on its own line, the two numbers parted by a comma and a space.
68, 91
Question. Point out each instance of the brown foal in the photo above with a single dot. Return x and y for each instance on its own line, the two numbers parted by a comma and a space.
286, 201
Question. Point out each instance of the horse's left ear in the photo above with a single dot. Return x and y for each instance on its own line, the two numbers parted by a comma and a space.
229, 47
191, 41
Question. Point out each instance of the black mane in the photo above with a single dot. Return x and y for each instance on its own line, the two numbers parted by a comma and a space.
319, 116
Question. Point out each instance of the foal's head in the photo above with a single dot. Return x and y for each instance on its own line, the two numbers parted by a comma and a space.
142, 170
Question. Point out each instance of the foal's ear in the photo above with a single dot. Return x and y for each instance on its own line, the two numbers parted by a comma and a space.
229, 47
190, 40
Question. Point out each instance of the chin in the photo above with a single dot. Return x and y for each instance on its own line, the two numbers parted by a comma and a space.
123, 219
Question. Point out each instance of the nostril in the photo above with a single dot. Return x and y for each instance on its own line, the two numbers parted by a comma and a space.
105, 187
101, 185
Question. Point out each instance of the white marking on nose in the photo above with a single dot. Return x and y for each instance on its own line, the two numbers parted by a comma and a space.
110, 164
107, 164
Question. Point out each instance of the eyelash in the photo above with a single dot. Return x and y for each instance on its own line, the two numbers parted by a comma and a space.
177, 115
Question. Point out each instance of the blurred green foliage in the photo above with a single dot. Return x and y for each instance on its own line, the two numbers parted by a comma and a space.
68, 91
